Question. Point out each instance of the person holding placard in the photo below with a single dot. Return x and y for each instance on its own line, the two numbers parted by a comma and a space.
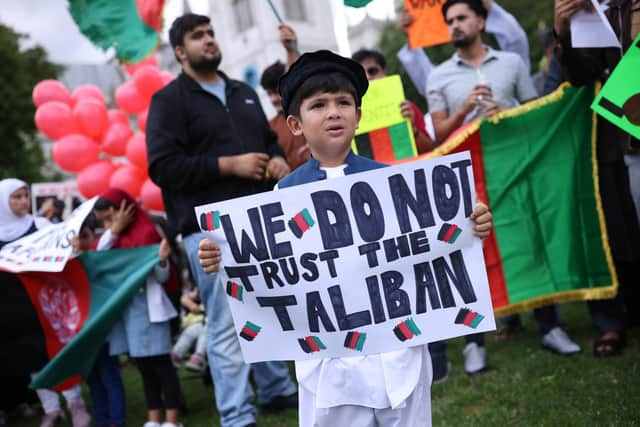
374, 65
321, 96
503, 25
586, 66
208, 140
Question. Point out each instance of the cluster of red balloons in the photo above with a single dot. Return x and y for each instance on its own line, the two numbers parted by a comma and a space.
97, 143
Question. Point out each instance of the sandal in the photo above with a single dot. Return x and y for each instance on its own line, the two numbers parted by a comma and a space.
608, 347
508, 329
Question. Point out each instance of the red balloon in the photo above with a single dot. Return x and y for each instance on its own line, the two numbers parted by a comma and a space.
94, 179
50, 90
137, 151
117, 116
91, 117
116, 138
130, 99
148, 80
167, 77
87, 91
55, 120
151, 196
131, 69
142, 120
128, 178
75, 152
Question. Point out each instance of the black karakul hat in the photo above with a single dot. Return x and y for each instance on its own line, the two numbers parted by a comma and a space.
320, 62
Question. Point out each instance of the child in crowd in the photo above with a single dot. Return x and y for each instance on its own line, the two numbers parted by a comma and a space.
143, 331
321, 96
194, 330
104, 380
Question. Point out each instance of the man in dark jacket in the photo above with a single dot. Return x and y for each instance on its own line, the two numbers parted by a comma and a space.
585, 66
208, 140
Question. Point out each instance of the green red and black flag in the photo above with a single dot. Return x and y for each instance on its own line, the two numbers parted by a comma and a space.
77, 307
250, 331
468, 318
406, 330
355, 340
536, 168
387, 144
131, 27
235, 291
357, 3
311, 344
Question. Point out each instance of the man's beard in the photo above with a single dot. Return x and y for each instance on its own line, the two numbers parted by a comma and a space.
463, 41
205, 65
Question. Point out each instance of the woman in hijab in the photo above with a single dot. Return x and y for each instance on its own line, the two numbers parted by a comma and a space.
15, 205
143, 331
15, 223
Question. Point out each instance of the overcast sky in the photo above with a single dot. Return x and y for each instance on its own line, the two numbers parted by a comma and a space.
48, 23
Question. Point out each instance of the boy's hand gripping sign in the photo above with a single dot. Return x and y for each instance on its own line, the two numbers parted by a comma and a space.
363, 264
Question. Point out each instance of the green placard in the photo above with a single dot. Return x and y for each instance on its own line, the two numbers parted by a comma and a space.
619, 99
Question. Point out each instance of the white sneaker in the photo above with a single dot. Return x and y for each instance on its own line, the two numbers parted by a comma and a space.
475, 358
151, 424
559, 342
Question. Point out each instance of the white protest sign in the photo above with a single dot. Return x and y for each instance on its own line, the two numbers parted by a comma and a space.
363, 264
49, 248
592, 28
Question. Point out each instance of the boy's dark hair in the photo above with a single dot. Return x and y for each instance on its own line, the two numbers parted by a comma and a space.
271, 75
182, 25
322, 83
103, 204
475, 5
377, 56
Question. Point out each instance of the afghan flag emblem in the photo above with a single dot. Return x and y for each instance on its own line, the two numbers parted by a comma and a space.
355, 340
250, 331
311, 344
449, 233
406, 330
235, 291
210, 220
468, 318
301, 222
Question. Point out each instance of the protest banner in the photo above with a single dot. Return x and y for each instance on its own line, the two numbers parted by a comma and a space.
383, 134
619, 99
429, 27
363, 264
49, 248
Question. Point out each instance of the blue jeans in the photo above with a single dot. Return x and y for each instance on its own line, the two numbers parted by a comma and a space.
229, 372
107, 390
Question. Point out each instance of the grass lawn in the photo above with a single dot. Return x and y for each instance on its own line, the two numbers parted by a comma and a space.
525, 386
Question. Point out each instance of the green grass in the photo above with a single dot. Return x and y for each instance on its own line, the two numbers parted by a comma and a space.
526, 386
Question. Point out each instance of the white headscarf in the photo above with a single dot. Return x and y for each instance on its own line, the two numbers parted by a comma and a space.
11, 225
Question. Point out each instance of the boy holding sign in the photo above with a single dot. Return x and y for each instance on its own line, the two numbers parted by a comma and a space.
321, 96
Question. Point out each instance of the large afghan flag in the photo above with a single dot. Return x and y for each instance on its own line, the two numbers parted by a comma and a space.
76, 308
535, 166
132, 27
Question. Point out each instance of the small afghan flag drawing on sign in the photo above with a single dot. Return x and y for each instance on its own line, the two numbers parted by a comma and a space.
234, 290
355, 340
449, 233
210, 220
311, 344
468, 318
301, 222
406, 330
250, 331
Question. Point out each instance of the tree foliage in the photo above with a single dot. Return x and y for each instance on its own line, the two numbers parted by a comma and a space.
530, 14
21, 154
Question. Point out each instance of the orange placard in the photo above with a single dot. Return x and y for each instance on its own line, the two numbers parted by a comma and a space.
428, 28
